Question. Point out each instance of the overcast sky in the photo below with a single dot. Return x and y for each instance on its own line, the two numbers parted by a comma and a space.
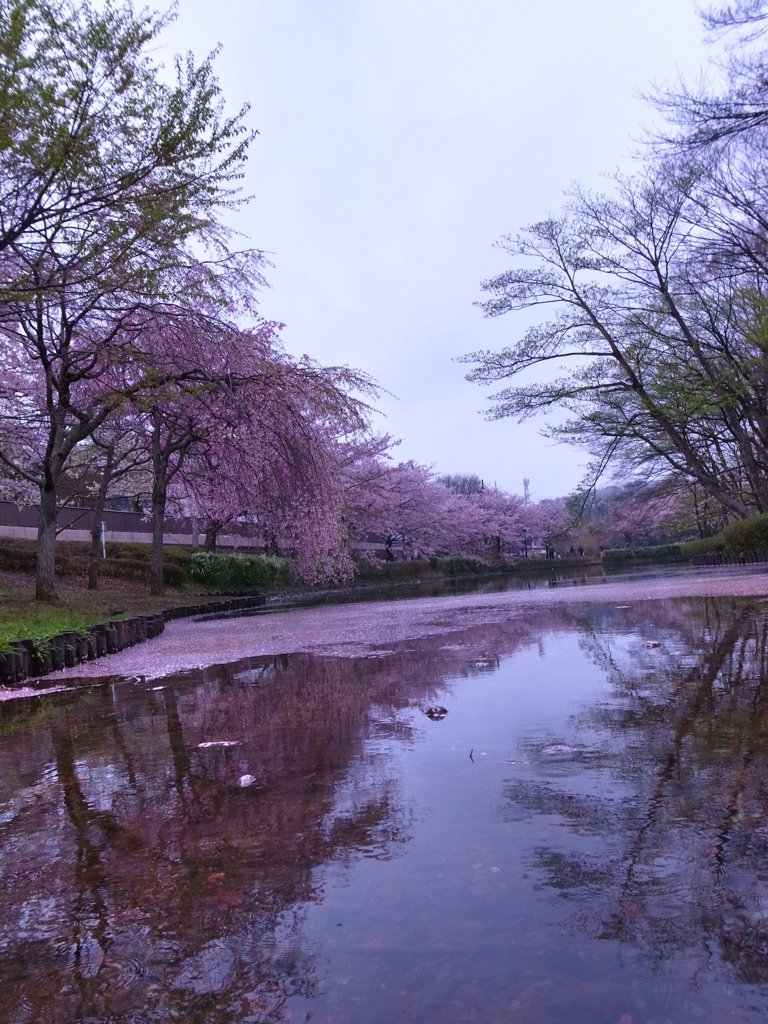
398, 140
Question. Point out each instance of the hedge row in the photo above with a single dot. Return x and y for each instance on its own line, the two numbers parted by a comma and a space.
746, 535
741, 537
457, 566
239, 572
132, 561
657, 553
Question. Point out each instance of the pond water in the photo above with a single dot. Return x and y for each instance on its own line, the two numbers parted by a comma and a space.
581, 837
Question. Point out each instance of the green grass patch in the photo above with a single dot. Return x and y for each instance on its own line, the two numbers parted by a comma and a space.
39, 622
123, 588
22, 616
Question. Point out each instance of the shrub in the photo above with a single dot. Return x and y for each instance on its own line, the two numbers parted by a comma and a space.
238, 572
393, 572
746, 535
703, 546
657, 553
17, 557
457, 566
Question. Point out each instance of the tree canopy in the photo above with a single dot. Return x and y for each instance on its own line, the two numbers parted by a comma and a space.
658, 347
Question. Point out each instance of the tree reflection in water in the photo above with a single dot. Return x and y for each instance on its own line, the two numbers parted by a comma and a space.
142, 882
138, 874
679, 801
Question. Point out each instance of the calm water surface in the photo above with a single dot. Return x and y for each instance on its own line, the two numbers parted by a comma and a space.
602, 855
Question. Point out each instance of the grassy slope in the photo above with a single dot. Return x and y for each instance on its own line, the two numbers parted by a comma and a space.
77, 607
123, 588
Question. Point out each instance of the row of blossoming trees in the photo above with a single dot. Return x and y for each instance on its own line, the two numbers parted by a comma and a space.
130, 342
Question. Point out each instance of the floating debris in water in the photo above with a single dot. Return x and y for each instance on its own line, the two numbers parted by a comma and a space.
558, 748
218, 743
652, 643
436, 712
482, 663
247, 780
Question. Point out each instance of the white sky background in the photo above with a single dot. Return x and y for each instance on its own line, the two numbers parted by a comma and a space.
398, 140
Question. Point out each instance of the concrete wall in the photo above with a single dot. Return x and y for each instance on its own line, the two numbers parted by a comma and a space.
126, 527
132, 527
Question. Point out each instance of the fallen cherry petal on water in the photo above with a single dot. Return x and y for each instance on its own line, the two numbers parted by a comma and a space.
218, 743
247, 780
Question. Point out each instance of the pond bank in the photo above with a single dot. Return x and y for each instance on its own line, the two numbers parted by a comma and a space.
368, 628
38, 639
30, 658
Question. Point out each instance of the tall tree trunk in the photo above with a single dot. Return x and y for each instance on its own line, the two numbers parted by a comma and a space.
158, 525
171, 440
159, 496
101, 497
211, 535
45, 579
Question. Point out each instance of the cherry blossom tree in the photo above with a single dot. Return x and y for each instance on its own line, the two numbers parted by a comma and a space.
548, 520
501, 517
263, 438
63, 380
112, 187
419, 513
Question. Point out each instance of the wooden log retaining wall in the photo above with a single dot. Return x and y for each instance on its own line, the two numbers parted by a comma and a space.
29, 658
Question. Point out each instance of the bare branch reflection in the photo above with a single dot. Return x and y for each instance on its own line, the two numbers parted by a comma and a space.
667, 829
